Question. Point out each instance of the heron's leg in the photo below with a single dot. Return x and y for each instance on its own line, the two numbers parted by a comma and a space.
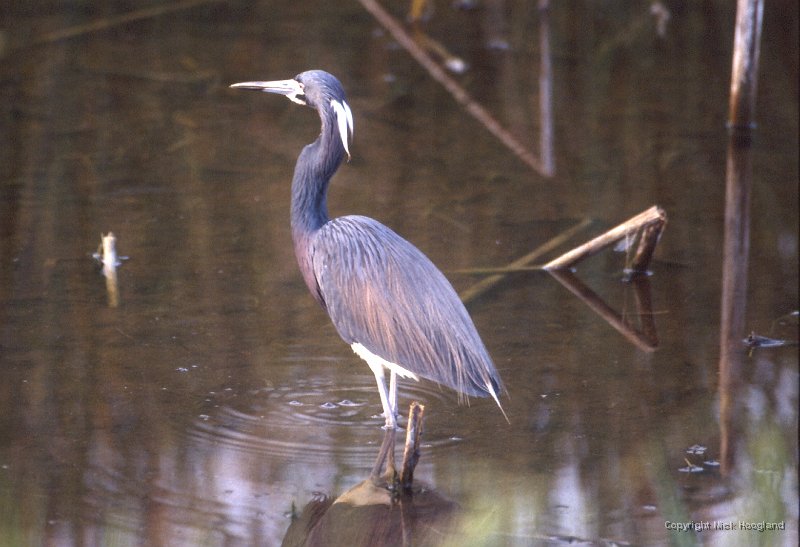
388, 413
393, 392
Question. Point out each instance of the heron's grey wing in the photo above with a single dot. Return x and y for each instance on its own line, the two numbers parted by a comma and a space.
384, 293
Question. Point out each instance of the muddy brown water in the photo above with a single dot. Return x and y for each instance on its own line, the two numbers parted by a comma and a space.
215, 399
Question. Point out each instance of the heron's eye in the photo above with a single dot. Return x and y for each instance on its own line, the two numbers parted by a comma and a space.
300, 97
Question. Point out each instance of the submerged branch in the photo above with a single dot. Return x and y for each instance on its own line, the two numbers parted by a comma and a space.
499, 270
471, 293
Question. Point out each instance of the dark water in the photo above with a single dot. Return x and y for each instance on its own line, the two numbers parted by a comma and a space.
215, 398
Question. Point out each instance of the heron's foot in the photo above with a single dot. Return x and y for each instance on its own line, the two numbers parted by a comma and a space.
391, 422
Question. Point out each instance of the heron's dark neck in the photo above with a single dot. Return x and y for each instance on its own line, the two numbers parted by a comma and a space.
315, 166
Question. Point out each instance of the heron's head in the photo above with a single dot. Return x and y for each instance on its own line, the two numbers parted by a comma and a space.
317, 89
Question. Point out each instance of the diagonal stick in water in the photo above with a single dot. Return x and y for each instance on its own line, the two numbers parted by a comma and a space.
471, 293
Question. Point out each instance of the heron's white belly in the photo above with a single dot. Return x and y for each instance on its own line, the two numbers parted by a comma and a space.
378, 363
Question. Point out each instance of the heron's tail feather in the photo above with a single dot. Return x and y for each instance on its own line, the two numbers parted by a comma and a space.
493, 393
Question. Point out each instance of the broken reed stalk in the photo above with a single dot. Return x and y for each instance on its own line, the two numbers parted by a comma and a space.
459, 93
471, 293
651, 222
411, 450
647, 246
744, 73
108, 256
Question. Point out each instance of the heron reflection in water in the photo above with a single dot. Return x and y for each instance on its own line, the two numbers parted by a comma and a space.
384, 296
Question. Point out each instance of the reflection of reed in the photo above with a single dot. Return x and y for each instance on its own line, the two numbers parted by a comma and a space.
646, 340
546, 154
735, 259
544, 165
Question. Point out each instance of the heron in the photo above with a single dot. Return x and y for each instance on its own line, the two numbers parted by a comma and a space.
385, 298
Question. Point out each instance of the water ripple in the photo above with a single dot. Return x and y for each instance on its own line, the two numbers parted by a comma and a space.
309, 420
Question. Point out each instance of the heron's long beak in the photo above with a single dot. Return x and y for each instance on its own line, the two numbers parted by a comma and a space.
290, 88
